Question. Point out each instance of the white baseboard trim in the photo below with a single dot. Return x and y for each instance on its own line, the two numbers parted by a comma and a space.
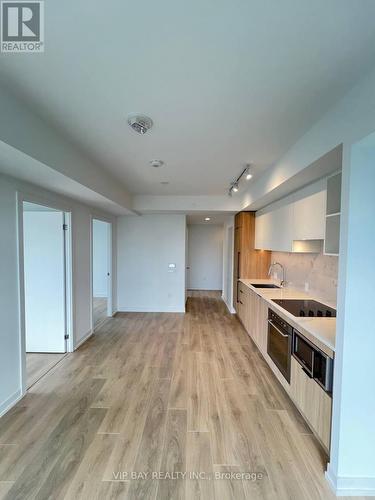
10, 402
100, 296
350, 486
229, 307
205, 289
83, 340
151, 309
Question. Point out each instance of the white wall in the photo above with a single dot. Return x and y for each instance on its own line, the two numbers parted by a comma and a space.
10, 339
352, 465
100, 257
146, 245
205, 257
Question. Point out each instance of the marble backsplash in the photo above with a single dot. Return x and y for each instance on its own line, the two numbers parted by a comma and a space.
318, 270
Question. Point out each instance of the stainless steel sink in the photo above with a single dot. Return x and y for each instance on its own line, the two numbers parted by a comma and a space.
264, 285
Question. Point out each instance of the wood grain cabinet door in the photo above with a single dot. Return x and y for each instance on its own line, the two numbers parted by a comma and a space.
261, 324
313, 402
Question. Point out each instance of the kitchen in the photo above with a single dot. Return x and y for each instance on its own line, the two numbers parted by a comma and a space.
285, 291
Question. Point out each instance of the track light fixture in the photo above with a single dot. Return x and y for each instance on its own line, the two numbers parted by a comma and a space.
248, 174
234, 187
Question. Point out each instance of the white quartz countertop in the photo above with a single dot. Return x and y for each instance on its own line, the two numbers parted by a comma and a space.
320, 331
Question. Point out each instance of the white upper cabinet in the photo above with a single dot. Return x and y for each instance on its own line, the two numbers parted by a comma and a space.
273, 229
309, 212
300, 216
282, 226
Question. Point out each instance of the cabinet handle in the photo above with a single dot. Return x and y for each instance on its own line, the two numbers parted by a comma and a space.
238, 265
277, 329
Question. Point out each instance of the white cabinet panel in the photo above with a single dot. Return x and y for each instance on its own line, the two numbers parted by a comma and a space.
259, 231
273, 230
309, 217
282, 228
300, 216
263, 231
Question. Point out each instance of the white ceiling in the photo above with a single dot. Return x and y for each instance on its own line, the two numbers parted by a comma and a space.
215, 218
225, 82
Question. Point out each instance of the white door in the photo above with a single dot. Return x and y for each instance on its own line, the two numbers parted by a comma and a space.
44, 270
187, 265
229, 270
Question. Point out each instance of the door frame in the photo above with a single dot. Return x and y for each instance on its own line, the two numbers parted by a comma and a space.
94, 216
22, 197
229, 267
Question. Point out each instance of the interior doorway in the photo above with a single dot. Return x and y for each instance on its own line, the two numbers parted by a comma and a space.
205, 256
101, 271
46, 286
228, 281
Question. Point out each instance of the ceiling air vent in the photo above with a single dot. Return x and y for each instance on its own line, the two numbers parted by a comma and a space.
140, 123
156, 163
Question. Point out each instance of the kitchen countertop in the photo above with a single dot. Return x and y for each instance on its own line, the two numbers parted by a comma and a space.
320, 331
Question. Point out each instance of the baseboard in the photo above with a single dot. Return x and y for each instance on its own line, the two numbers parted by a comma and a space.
151, 309
10, 402
100, 296
229, 307
83, 340
205, 289
350, 486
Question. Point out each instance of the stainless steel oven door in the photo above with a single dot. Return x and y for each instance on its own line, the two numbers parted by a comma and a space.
279, 348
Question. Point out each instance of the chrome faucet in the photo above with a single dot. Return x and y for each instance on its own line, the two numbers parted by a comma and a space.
282, 282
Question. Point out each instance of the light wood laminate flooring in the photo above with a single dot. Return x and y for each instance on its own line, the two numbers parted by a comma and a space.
99, 310
38, 364
156, 393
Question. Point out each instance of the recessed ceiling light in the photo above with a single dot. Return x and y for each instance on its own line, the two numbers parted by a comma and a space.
207, 218
156, 163
235, 187
140, 123
248, 174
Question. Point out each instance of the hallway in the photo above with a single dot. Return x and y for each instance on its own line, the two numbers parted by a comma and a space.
158, 392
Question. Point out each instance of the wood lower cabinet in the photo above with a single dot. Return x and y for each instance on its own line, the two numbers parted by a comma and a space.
247, 262
314, 403
258, 320
261, 324
243, 305
311, 400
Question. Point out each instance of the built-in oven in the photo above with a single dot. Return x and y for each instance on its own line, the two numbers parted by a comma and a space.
316, 364
279, 343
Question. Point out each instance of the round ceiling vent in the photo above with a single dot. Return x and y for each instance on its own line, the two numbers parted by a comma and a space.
156, 163
140, 123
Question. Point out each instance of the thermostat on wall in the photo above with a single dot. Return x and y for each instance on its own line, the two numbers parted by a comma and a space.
171, 268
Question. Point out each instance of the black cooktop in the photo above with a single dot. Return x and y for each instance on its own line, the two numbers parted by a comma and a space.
307, 308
